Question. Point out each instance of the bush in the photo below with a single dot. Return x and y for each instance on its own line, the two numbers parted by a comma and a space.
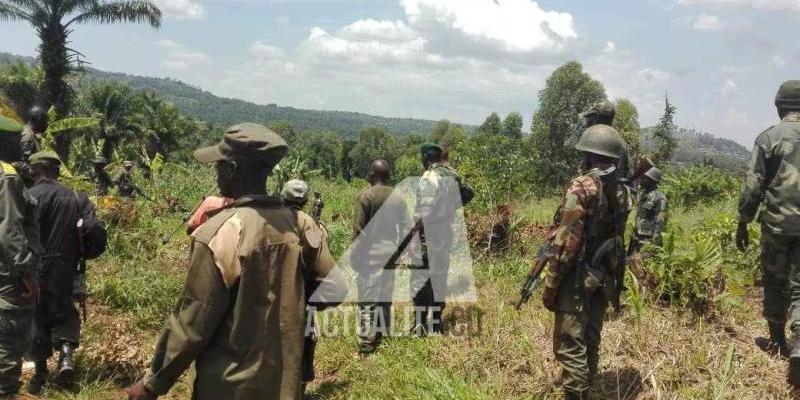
690, 186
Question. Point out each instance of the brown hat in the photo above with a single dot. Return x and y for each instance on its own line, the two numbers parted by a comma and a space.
250, 141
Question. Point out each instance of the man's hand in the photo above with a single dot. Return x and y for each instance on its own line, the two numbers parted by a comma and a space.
549, 298
742, 237
138, 391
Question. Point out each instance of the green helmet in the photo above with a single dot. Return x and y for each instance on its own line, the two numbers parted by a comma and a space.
654, 174
602, 140
789, 95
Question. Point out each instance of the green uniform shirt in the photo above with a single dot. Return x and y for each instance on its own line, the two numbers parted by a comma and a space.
773, 179
651, 214
242, 315
20, 247
30, 143
377, 235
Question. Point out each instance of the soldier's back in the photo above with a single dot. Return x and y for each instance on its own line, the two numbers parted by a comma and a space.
781, 147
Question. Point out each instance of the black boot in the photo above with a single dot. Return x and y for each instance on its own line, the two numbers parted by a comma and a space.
39, 378
66, 365
776, 343
794, 363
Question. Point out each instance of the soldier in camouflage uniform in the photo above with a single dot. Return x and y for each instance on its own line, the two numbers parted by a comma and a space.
102, 180
241, 317
651, 212
603, 113
19, 255
380, 220
31, 134
124, 181
442, 193
771, 184
581, 274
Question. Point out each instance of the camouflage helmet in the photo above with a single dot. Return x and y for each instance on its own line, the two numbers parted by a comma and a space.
654, 174
295, 190
604, 108
789, 95
602, 140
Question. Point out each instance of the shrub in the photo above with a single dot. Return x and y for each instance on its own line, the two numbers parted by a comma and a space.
690, 186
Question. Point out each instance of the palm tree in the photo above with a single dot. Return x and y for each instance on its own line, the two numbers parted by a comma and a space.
114, 105
54, 20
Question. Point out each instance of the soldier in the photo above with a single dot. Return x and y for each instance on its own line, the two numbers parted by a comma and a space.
102, 181
241, 317
20, 250
772, 180
34, 129
604, 113
651, 212
441, 193
376, 238
581, 272
125, 186
57, 319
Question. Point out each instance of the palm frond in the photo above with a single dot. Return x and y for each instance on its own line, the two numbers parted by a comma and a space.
10, 12
138, 11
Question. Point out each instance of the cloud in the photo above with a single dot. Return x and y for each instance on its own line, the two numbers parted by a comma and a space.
181, 9
730, 88
705, 22
179, 57
758, 5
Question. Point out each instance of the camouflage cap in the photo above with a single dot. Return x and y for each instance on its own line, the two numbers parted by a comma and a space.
654, 174
604, 108
44, 157
249, 141
430, 148
295, 190
8, 125
602, 140
789, 95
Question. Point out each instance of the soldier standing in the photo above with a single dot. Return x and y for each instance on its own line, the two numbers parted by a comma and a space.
581, 272
772, 180
34, 129
441, 194
604, 113
651, 212
102, 180
20, 249
125, 186
57, 319
242, 313
375, 240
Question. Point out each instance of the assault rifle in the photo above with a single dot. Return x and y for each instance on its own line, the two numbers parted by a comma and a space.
534, 278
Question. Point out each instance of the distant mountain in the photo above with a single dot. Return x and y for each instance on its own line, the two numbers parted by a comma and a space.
698, 147
205, 106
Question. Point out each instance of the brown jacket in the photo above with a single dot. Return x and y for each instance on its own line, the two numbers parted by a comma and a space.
241, 318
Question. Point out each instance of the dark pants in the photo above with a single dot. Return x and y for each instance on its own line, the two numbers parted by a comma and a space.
429, 283
57, 322
780, 264
15, 335
576, 342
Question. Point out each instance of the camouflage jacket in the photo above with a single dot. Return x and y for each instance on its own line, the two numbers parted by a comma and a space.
20, 246
242, 316
30, 142
585, 220
651, 214
773, 179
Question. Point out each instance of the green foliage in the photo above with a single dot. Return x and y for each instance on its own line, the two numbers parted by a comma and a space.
557, 123
664, 134
492, 125
373, 143
21, 86
626, 123
699, 183
512, 125
323, 151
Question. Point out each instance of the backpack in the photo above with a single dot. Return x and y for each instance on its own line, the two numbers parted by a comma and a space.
92, 232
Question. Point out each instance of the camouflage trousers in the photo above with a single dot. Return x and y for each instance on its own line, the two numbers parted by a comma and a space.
57, 321
375, 291
780, 266
15, 335
576, 342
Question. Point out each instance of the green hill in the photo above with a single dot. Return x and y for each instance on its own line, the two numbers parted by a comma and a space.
697, 147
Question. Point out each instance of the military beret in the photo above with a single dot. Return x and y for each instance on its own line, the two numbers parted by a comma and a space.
431, 148
44, 157
8, 125
295, 190
249, 141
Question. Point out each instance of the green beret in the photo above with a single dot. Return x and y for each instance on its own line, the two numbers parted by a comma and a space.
430, 148
249, 141
44, 157
8, 125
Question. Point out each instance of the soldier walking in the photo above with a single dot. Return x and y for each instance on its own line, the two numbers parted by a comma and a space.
376, 237
651, 212
20, 249
57, 319
771, 185
124, 182
241, 317
581, 272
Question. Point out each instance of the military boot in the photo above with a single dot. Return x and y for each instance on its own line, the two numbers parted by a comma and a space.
37, 382
66, 365
776, 343
794, 363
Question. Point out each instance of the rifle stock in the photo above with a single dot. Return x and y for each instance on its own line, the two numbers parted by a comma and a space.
534, 278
